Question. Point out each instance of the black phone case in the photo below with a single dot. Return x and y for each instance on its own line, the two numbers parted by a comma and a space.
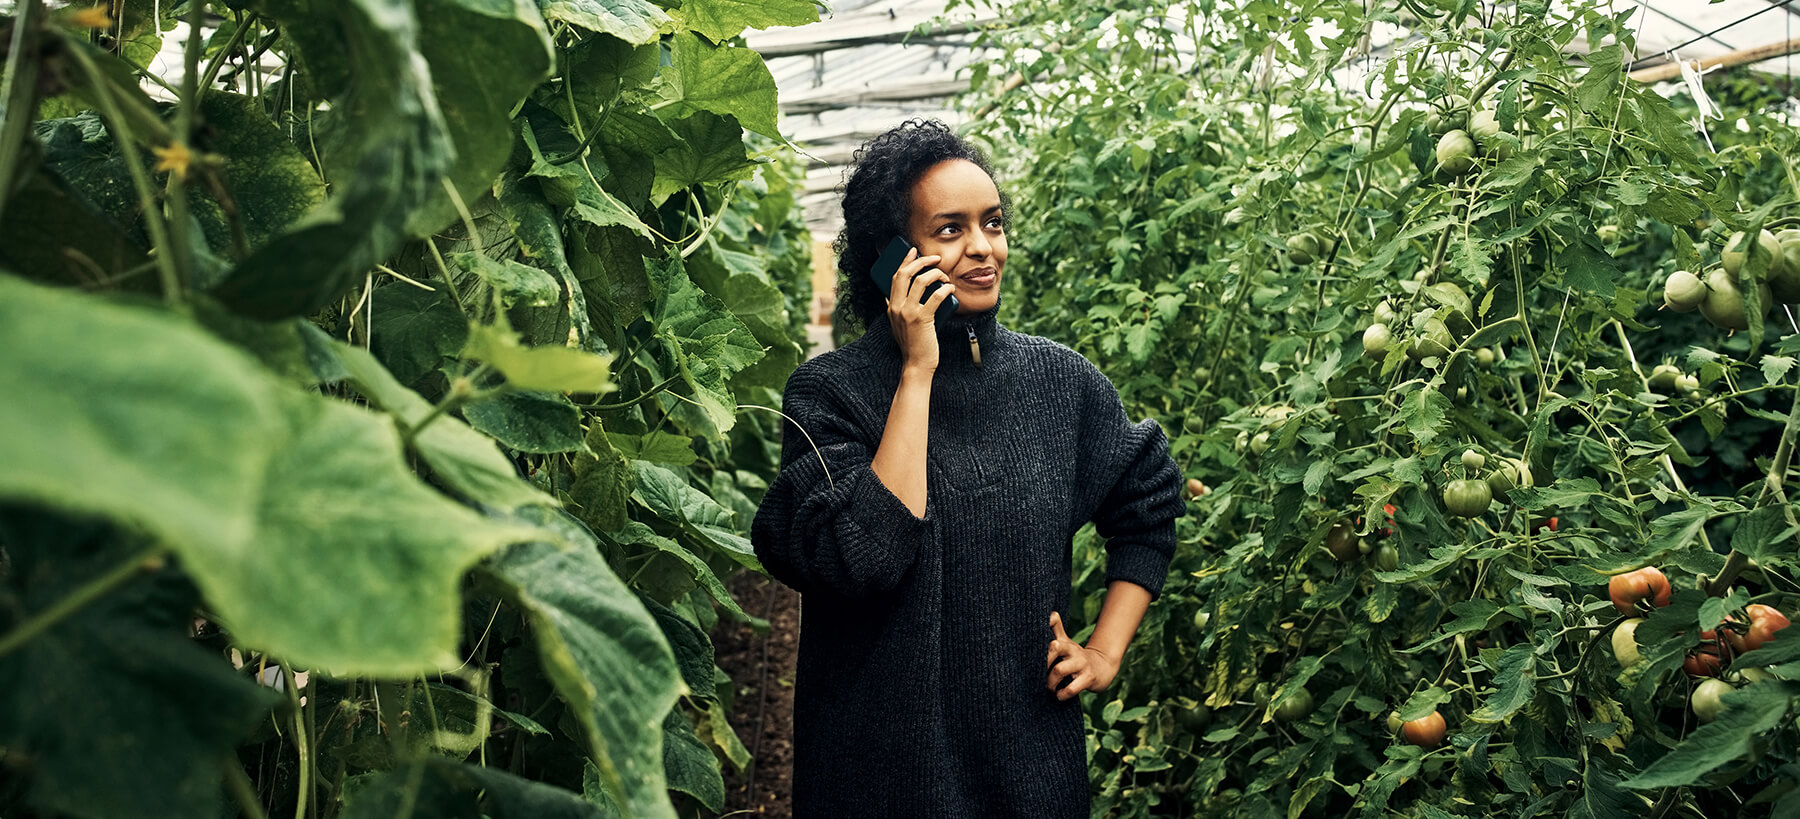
889, 262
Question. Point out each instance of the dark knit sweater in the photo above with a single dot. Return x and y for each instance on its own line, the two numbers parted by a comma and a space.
921, 689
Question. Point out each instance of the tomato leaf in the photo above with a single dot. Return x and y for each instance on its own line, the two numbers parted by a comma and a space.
1748, 712
1422, 413
1421, 704
1514, 685
1588, 269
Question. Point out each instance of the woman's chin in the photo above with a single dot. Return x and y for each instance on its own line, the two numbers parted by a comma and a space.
976, 305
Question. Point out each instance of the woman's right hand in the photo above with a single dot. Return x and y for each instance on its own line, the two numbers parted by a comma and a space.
915, 324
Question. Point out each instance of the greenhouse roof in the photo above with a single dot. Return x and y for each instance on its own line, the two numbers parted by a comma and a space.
871, 64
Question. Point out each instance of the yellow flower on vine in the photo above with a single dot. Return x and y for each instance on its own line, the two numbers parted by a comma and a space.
175, 158
95, 17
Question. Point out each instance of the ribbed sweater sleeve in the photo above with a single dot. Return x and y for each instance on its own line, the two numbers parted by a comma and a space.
839, 530
1141, 490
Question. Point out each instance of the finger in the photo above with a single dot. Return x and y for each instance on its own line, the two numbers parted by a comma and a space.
916, 264
1057, 626
937, 297
901, 275
915, 289
1074, 688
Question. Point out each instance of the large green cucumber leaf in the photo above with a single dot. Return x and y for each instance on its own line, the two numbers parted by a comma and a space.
703, 342
602, 490
485, 56
413, 330
466, 461
530, 298
711, 150
442, 789
385, 148
542, 423
608, 660
609, 263
271, 183
115, 688
634, 21
721, 20
726, 80
704, 524
757, 303
690, 765
261, 488
538, 230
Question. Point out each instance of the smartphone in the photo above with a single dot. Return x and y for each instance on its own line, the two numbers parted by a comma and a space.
889, 263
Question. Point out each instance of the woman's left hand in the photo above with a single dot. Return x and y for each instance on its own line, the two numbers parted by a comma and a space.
1092, 670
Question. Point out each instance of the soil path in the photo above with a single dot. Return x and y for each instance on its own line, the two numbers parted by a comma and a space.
763, 667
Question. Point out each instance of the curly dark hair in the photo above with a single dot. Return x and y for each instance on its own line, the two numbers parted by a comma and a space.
878, 200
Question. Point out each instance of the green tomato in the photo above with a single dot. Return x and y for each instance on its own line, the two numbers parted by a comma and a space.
1303, 248
1295, 707
1387, 558
1737, 250
1705, 700
1467, 498
1376, 339
1456, 152
1472, 459
1624, 642
1663, 376
1683, 291
1434, 339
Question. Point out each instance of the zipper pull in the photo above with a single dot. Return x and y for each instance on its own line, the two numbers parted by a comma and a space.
974, 345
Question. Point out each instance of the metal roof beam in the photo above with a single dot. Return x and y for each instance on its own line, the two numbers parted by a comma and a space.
873, 95
861, 28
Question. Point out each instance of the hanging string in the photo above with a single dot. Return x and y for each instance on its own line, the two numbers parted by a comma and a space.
1704, 107
1746, 18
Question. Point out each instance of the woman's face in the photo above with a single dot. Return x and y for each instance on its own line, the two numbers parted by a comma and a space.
956, 216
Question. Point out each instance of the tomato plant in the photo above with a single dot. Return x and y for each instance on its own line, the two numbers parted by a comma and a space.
1497, 225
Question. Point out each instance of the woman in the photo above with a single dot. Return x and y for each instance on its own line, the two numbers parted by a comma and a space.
925, 509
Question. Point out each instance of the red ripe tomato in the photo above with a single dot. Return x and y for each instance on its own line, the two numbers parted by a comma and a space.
1389, 509
1764, 622
1425, 733
1707, 659
1629, 588
1546, 524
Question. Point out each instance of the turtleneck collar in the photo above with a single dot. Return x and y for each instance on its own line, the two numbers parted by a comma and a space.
953, 337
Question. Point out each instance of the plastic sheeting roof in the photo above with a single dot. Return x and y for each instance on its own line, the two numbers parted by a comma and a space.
870, 64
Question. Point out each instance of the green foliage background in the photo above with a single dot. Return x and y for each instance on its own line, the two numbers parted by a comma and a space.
1157, 192
414, 366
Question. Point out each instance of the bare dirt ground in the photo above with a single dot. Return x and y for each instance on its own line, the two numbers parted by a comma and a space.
763, 667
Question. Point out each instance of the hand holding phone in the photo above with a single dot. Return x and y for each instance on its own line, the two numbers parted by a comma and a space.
889, 263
